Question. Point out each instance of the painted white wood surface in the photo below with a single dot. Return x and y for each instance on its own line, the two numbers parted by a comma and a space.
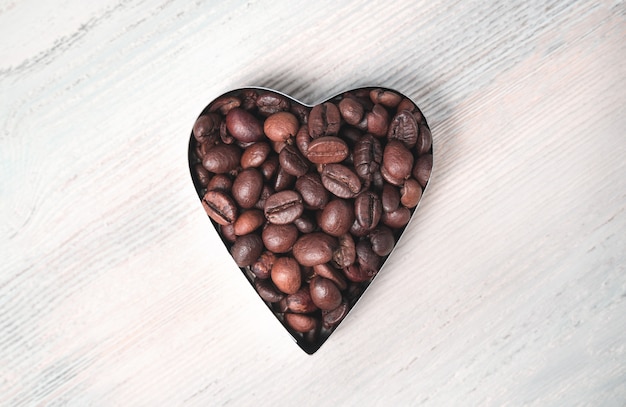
508, 287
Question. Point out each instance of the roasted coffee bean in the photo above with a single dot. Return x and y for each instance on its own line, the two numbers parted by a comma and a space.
270, 103
202, 148
368, 154
202, 175
356, 274
333, 317
378, 121
220, 207
385, 97
222, 158
266, 192
324, 120
303, 139
281, 126
423, 167
396, 219
269, 167
300, 302
358, 230
324, 293
327, 150
314, 248
267, 291
397, 163
286, 275
341, 181
228, 232
278, 146
351, 110
283, 207
255, 155
248, 99
225, 136
301, 112
404, 128
292, 161
345, 253
305, 224
206, 130
246, 249
283, 180
390, 198
365, 256
279, 238
410, 193
314, 195
243, 126
337, 217
225, 104
263, 265
368, 209
301, 322
382, 240
327, 271
247, 187
248, 222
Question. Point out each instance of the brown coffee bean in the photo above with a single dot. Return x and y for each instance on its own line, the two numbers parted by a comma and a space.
225, 104
267, 291
262, 267
327, 271
378, 121
202, 148
220, 207
283, 207
356, 274
324, 293
337, 217
314, 248
385, 97
423, 167
228, 232
341, 181
248, 222
247, 187
390, 198
222, 158
286, 275
345, 253
292, 161
327, 150
367, 259
382, 240
266, 192
397, 163
279, 238
301, 322
410, 193
202, 175
271, 102
206, 129
305, 224
283, 180
243, 126
300, 302
281, 126
220, 182
246, 249
396, 219
351, 110
303, 139
333, 317
404, 128
368, 209
278, 146
314, 195
269, 167
255, 155
248, 99
324, 120
424, 141
368, 154
358, 230
301, 112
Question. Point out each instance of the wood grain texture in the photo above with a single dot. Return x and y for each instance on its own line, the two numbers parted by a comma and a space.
508, 288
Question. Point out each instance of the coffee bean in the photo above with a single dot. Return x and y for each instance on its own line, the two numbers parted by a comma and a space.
367, 209
281, 126
267, 291
385, 97
396, 219
345, 253
225, 104
246, 249
283, 180
279, 238
351, 110
303, 139
424, 141
270, 103
286, 275
292, 161
248, 222
333, 317
327, 271
300, 302
243, 126
366, 257
324, 293
247, 187
314, 248
337, 217
423, 167
324, 120
356, 274
410, 193
228, 232
207, 128
378, 121
305, 224
202, 175
314, 195
404, 128
255, 155
327, 150
301, 322
283, 207
262, 267
368, 154
269, 167
220, 207
390, 198
222, 158
341, 181
397, 163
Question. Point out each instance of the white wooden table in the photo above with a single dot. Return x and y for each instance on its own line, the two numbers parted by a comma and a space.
508, 288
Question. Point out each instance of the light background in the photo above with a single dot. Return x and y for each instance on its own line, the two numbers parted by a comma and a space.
508, 287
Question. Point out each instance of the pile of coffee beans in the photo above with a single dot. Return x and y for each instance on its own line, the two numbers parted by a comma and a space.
310, 201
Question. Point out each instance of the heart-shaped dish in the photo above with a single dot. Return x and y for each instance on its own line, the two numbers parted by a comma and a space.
310, 200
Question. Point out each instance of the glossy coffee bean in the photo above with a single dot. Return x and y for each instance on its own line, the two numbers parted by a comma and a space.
222, 158
220, 182
314, 248
397, 163
345, 253
301, 322
390, 198
382, 240
267, 291
341, 181
225, 104
378, 121
356, 274
248, 222
269, 103
247, 187
303, 139
243, 126
292, 161
279, 238
283, 180
423, 167
410, 193
324, 293
333, 317
300, 302
255, 155
424, 141
351, 110
228, 232
385, 97
269, 167
324, 120
220, 207
286, 275
262, 267
368, 154
305, 224
281, 126
365, 256
327, 271
337, 217
313, 193
246, 249
327, 150
207, 128
404, 128
202, 175
283, 207
367, 209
